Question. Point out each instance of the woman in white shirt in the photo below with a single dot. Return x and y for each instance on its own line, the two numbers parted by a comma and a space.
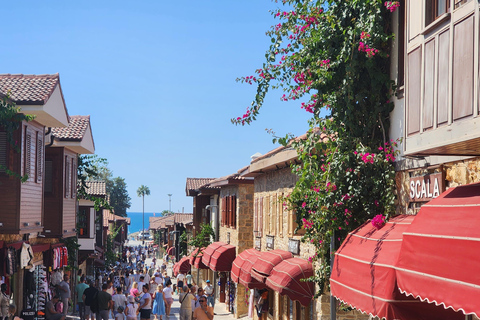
131, 310
145, 304
168, 293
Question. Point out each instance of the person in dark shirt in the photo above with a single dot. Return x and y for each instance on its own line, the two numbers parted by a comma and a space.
105, 303
88, 295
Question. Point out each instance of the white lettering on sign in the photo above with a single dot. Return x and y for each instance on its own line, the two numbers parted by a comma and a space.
422, 189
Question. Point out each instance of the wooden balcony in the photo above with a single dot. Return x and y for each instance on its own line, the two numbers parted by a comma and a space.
442, 77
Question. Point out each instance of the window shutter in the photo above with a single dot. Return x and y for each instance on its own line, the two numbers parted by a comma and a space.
234, 211
28, 154
230, 211
268, 215
3, 151
255, 216
67, 178
224, 211
281, 212
73, 180
39, 162
260, 224
274, 214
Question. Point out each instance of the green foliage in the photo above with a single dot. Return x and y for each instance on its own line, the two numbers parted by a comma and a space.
10, 121
182, 244
335, 56
119, 198
110, 256
165, 213
89, 168
204, 238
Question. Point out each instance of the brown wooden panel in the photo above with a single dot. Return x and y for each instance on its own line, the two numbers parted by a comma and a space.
463, 69
443, 77
429, 83
414, 91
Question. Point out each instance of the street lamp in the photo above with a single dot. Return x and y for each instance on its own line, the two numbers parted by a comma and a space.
169, 202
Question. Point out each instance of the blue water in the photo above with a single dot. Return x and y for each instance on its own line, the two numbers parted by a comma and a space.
136, 220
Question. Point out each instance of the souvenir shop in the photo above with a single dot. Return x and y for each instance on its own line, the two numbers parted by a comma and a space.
37, 269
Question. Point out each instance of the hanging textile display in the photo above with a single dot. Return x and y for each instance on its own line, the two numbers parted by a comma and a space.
26, 256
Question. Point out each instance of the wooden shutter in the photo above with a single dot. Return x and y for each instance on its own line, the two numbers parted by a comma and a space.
3, 151
281, 212
229, 210
260, 221
274, 214
39, 160
224, 211
48, 176
234, 212
67, 177
255, 216
73, 180
28, 154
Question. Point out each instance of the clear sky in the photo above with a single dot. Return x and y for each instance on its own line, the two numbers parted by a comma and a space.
158, 80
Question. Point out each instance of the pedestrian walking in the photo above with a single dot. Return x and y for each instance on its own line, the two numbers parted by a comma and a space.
168, 293
186, 299
131, 311
180, 278
4, 301
204, 312
119, 300
64, 290
87, 298
105, 303
210, 293
159, 303
79, 289
189, 279
145, 304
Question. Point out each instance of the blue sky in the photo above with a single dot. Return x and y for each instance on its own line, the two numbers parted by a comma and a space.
158, 79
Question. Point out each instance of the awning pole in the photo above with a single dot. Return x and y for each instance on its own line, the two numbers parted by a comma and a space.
333, 302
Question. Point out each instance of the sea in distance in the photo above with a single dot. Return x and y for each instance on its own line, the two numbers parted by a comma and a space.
136, 220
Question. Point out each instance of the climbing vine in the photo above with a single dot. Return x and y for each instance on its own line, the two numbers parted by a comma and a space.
10, 121
333, 58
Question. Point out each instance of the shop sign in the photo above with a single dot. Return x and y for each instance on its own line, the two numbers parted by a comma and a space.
426, 188
294, 246
28, 314
270, 242
258, 243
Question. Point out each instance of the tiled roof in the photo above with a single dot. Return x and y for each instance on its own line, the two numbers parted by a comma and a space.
75, 130
108, 217
96, 188
196, 183
234, 176
28, 89
163, 222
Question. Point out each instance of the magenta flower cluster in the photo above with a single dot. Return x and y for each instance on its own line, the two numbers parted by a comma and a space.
392, 5
307, 224
378, 221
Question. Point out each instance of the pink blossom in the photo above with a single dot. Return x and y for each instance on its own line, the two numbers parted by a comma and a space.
378, 221
304, 204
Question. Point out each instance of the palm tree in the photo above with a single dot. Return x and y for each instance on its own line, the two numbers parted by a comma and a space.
143, 191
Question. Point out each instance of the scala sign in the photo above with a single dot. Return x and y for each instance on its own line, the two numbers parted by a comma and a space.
427, 187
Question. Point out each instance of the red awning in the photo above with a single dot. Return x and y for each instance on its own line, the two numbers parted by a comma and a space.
196, 259
440, 255
208, 252
264, 265
222, 258
238, 263
181, 266
363, 274
40, 247
246, 278
171, 251
286, 278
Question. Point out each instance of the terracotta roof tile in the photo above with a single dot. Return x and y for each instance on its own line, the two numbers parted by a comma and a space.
196, 183
163, 222
96, 188
108, 217
75, 130
29, 89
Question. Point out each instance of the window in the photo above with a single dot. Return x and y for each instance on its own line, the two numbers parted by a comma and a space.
74, 180
258, 217
401, 45
229, 211
434, 9
292, 225
83, 226
3, 151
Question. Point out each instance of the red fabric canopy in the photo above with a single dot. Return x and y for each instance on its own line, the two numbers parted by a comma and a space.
222, 258
208, 252
363, 275
440, 256
238, 263
181, 266
246, 272
265, 263
286, 278
171, 251
196, 259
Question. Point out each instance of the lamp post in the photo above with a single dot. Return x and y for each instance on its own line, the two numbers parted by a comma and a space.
170, 202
